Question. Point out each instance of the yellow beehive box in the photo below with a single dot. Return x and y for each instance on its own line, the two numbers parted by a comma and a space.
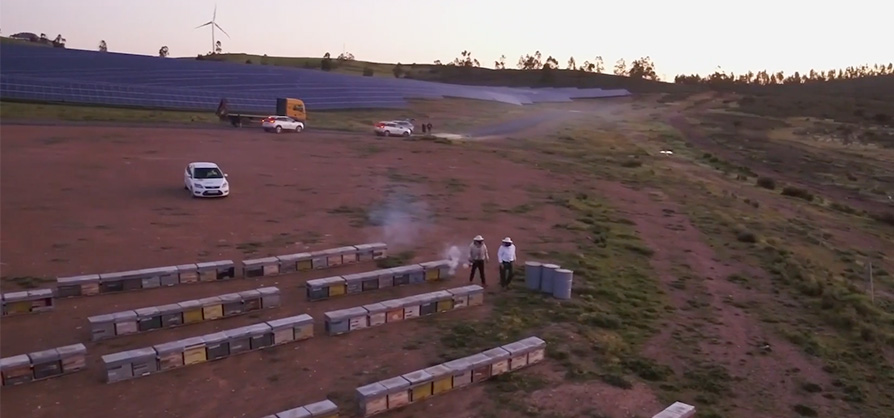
432, 275
420, 385
192, 311
212, 308
445, 305
337, 289
194, 351
18, 307
90, 289
442, 378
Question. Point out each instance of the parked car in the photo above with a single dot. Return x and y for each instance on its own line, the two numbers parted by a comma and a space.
204, 179
407, 123
392, 129
282, 123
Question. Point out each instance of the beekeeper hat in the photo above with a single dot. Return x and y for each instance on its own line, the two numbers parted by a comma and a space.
507, 240
478, 238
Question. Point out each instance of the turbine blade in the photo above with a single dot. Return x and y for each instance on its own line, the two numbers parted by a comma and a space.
202, 26
214, 16
221, 29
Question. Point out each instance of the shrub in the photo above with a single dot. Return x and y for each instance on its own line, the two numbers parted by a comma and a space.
884, 217
746, 236
631, 163
368, 72
766, 183
797, 192
326, 64
248, 61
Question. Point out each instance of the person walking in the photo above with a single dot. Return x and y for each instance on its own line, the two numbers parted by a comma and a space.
477, 257
506, 256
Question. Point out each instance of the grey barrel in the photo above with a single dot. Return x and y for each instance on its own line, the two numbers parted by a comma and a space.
546, 277
562, 279
533, 270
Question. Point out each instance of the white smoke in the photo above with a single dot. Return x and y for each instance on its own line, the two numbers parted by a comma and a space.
453, 255
401, 219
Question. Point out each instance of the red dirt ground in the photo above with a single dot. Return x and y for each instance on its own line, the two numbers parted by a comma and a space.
89, 200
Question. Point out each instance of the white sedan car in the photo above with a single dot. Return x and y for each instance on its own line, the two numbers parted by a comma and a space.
205, 180
282, 123
392, 129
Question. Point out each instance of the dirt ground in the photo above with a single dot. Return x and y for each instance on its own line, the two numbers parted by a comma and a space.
111, 198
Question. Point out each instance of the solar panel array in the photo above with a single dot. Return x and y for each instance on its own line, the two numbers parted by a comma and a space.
90, 77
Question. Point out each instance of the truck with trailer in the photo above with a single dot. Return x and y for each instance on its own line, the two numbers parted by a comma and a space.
293, 108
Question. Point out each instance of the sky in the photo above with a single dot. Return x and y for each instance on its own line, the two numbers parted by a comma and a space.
683, 36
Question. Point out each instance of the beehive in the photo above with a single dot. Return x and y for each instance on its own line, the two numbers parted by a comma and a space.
255, 267
460, 297
148, 319
125, 322
417, 274
316, 289
74, 357
41, 300
289, 263
349, 255
118, 366
111, 282
480, 367
216, 270
239, 339
283, 330
461, 370
194, 351
71, 286
442, 378
385, 277
400, 276
171, 315
333, 257
443, 300
499, 360
170, 355
336, 285
305, 262
518, 354
322, 409
101, 326
131, 280
192, 311
427, 304
269, 297
188, 273
216, 346
373, 399
411, 307
370, 281
537, 349
394, 310
476, 295
300, 412
380, 250
353, 283
207, 272
231, 303
261, 336
304, 327
341, 321
319, 260
90, 285
677, 410
16, 370
17, 303
398, 391
168, 276
144, 361
212, 308
364, 252
376, 314
432, 270
251, 300
46, 363
420, 385
151, 278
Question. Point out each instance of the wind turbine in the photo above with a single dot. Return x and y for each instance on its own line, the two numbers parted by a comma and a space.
214, 26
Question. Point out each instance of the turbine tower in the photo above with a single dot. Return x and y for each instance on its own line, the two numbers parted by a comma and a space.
214, 25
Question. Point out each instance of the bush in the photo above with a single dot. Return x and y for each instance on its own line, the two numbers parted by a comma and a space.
885, 217
368, 72
766, 183
326, 64
248, 61
746, 236
631, 163
797, 192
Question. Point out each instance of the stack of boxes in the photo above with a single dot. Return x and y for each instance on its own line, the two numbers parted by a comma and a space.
27, 301
44, 364
361, 317
144, 361
94, 284
333, 257
415, 386
322, 409
328, 287
183, 313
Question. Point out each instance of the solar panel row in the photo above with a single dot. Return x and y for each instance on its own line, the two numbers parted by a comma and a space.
121, 79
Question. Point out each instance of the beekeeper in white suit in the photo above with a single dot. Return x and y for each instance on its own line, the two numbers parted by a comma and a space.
506, 256
477, 257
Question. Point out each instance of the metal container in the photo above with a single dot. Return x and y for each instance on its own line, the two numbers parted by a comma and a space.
499, 360
101, 326
398, 391
546, 277
372, 398
171, 315
533, 271
217, 346
269, 297
148, 319
376, 314
420, 385
562, 281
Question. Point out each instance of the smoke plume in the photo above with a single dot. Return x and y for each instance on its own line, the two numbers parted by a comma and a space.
454, 255
400, 218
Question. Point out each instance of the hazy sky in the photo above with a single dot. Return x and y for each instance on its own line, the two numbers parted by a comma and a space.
680, 36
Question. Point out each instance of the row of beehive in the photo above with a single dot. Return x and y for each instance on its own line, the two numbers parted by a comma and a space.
321, 409
374, 314
327, 287
412, 387
44, 364
315, 260
144, 361
549, 278
94, 284
37, 300
182, 313
677, 410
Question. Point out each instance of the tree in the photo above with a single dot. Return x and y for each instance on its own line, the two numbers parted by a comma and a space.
43, 37
465, 60
588, 67
59, 42
163, 51
398, 70
643, 68
501, 64
530, 62
217, 47
551, 62
571, 64
620, 67
103, 47
346, 56
326, 62
600, 64
438, 62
